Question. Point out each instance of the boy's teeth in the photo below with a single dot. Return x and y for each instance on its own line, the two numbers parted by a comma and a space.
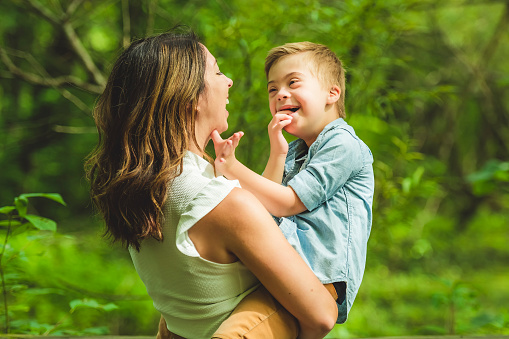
227, 101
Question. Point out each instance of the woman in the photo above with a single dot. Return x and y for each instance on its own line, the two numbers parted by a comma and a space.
199, 242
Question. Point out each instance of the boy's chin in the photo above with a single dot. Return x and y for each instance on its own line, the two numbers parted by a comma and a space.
291, 130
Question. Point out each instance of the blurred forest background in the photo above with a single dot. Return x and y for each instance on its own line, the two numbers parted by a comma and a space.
427, 90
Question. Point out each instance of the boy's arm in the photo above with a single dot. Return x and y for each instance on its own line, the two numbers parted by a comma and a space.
279, 200
275, 168
278, 148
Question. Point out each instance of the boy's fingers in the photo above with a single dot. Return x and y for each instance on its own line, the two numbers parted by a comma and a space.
281, 124
282, 116
284, 123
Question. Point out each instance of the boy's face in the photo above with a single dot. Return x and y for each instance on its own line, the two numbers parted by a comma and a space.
295, 90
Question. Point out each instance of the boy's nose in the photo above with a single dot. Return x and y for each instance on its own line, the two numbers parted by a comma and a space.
282, 95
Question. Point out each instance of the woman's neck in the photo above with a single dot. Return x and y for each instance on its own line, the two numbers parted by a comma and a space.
193, 148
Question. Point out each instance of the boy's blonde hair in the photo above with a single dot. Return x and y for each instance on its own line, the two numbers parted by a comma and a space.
328, 67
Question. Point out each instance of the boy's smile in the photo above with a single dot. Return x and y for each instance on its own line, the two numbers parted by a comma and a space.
295, 90
289, 108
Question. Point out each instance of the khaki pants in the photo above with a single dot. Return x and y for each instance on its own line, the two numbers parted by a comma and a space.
257, 316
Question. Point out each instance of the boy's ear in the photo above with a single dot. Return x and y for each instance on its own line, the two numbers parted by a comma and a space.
334, 94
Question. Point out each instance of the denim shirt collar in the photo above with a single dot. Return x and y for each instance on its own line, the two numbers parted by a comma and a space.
339, 122
298, 151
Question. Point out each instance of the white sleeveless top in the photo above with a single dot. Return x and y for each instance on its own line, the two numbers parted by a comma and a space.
194, 295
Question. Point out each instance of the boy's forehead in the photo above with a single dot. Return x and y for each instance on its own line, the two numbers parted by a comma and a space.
293, 64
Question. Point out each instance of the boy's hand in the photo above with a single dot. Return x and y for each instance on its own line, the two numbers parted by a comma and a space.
225, 150
278, 143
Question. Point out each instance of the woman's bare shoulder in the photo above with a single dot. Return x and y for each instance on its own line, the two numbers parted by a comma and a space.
231, 222
239, 208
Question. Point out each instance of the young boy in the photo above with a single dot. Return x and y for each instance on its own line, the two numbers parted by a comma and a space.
320, 186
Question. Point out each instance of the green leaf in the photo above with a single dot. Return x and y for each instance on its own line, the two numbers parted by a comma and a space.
109, 307
101, 330
16, 288
20, 228
21, 204
7, 209
84, 303
43, 224
44, 291
92, 303
52, 196
417, 176
406, 185
12, 223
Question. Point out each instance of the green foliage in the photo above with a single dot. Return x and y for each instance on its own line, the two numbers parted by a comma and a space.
426, 90
16, 281
19, 221
490, 177
34, 263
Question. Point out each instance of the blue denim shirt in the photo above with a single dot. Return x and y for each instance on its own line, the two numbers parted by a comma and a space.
334, 180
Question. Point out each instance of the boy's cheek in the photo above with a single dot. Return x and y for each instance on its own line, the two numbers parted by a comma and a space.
272, 109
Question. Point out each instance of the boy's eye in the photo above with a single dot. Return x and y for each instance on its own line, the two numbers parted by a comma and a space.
219, 73
271, 90
292, 82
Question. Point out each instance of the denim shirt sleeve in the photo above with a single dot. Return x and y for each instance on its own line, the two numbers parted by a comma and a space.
332, 163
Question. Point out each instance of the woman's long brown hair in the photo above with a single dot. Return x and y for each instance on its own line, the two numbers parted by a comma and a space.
145, 119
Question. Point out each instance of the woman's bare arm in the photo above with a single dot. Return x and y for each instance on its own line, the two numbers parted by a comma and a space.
240, 227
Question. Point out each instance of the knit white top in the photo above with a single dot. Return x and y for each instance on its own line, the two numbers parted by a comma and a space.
193, 294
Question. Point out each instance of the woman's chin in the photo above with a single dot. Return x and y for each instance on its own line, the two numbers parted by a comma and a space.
222, 129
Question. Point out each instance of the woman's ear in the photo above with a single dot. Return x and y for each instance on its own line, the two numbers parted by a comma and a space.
198, 105
334, 94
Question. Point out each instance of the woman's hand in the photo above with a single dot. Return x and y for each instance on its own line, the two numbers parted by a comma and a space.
225, 150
